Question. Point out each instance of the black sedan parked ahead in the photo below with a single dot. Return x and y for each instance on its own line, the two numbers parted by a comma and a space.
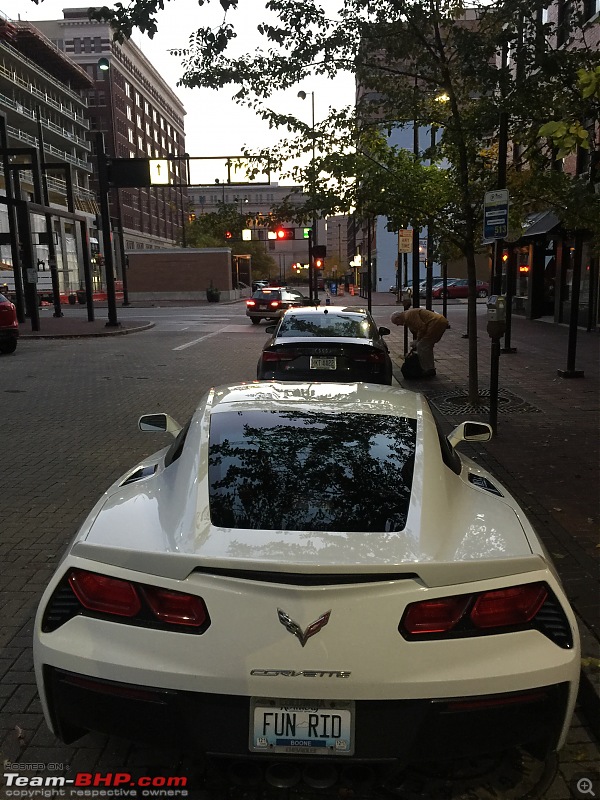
326, 344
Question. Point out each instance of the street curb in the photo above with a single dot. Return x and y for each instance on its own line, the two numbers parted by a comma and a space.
110, 332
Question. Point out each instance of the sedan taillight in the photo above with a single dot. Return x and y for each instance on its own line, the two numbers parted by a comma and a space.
489, 611
250, 303
274, 304
278, 355
373, 357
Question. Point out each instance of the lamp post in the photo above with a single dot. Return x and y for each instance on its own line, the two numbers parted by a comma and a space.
313, 239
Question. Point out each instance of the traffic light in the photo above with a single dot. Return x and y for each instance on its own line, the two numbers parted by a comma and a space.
319, 251
318, 263
228, 235
285, 234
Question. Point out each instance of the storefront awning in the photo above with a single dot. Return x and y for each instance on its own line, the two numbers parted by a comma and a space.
538, 224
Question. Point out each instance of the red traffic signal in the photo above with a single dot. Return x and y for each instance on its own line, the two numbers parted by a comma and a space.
228, 235
284, 234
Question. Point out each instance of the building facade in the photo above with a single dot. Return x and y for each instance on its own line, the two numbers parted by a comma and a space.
41, 98
140, 117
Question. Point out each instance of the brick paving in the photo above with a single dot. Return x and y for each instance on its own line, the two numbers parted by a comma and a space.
68, 408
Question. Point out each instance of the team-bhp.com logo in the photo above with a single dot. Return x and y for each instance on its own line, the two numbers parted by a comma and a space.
88, 784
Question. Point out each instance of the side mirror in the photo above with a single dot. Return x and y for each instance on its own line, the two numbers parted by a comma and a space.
158, 423
384, 331
470, 432
270, 328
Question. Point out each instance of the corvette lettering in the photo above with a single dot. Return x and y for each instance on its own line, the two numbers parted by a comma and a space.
303, 673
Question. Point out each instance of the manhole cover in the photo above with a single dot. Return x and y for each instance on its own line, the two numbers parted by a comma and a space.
456, 402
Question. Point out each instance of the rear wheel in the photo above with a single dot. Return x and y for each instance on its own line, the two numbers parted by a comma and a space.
8, 346
255, 320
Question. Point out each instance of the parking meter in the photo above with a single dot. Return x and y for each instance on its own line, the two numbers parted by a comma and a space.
496, 316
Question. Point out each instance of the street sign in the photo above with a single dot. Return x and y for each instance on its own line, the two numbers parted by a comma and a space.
495, 214
405, 241
159, 172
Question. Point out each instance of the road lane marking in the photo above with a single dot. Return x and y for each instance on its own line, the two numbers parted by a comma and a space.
196, 341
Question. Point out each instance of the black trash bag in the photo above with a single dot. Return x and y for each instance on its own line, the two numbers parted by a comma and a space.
412, 366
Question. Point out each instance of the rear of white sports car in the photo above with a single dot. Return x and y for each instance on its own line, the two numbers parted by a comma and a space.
309, 571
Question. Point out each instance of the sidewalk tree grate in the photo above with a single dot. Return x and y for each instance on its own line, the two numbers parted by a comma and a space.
457, 402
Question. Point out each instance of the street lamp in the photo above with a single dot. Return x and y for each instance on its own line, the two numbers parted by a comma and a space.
313, 238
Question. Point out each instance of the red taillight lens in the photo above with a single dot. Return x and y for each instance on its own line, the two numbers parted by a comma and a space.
176, 608
274, 303
372, 357
512, 606
250, 303
434, 616
277, 355
107, 595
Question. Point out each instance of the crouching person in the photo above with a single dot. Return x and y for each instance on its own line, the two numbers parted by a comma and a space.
428, 327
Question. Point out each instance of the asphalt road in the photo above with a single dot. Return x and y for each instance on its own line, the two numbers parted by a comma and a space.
69, 410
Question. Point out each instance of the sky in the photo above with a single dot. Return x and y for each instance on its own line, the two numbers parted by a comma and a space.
214, 124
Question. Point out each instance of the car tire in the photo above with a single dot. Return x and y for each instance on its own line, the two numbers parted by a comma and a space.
8, 346
482, 293
255, 320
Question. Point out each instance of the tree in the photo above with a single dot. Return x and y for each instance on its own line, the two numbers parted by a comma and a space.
405, 54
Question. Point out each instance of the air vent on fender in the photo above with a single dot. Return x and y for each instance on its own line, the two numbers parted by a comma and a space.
139, 474
483, 483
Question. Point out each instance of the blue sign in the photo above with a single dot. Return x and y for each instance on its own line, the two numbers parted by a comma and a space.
495, 214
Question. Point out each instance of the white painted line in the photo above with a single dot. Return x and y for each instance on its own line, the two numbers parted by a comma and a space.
196, 341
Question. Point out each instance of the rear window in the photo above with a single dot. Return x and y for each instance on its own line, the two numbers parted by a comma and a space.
310, 470
267, 294
353, 326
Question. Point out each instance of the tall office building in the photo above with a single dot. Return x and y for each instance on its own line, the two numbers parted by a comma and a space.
140, 116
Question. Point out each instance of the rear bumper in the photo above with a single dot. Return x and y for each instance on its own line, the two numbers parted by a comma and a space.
9, 333
403, 730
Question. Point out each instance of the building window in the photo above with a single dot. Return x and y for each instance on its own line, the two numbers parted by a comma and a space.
591, 8
127, 89
140, 143
129, 113
565, 13
138, 120
130, 135
138, 100
146, 107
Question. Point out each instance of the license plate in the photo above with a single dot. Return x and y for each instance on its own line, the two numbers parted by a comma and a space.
318, 362
321, 727
262, 306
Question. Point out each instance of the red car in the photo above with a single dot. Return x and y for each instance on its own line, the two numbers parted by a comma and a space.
9, 326
459, 287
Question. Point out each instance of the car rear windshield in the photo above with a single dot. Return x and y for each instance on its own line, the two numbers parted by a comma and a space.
310, 470
354, 326
267, 294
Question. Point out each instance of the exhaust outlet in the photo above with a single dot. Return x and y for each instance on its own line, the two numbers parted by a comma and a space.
358, 776
282, 776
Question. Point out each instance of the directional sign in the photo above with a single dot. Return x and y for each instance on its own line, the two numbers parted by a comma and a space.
159, 172
495, 214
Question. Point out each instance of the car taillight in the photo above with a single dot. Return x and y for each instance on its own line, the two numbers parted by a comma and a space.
508, 606
434, 616
274, 303
492, 610
107, 595
250, 303
278, 355
139, 603
176, 608
374, 357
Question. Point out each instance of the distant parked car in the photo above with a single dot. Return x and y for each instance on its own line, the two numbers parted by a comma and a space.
326, 344
459, 287
9, 326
